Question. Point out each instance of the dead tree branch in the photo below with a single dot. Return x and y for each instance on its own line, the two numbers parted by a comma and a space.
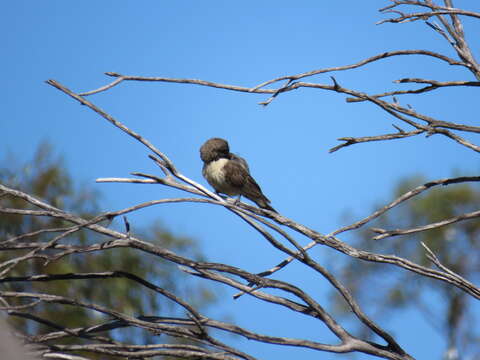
195, 327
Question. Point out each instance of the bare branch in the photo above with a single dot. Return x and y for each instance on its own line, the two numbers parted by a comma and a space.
350, 140
389, 233
455, 36
433, 86
359, 64
406, 196
425, 15
194, 326
259, 88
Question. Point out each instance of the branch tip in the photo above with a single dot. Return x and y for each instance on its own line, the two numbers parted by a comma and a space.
335, 84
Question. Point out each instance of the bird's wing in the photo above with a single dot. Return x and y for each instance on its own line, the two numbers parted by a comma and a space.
240, 178
238, 175
240, 160
252, 191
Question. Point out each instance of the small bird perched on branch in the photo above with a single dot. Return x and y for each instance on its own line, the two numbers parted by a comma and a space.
229, 174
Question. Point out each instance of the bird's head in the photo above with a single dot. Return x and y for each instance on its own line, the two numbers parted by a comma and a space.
214, 149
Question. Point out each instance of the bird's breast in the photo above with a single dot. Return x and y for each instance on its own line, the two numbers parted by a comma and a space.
214, 173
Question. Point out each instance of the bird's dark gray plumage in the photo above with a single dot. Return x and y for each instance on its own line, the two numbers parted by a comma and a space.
229, 174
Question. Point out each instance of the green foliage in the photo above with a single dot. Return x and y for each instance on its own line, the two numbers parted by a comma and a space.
457, 246
46, 177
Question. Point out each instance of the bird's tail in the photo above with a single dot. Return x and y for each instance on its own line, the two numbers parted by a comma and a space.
268, 207
264, 203
252, 191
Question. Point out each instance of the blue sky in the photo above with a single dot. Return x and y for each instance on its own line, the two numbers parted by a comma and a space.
241, 43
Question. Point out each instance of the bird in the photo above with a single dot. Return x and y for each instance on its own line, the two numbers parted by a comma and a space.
229, 174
